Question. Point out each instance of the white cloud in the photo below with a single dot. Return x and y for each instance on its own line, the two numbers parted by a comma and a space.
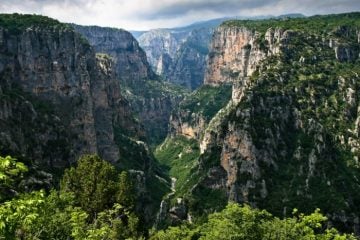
146, 14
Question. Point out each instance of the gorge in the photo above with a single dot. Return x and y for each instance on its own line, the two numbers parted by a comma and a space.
262, 112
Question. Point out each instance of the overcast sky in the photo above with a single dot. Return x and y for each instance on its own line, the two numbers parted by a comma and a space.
148, 14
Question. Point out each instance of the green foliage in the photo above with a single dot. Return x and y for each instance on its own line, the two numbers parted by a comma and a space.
19, 22
19, 214
125, 195
234, 222
176, 233
207, 100
37, 216
10, 169
84, 209
244, 222
179, 156
97, 186
319, 24
11, 172
114, 223
93, 183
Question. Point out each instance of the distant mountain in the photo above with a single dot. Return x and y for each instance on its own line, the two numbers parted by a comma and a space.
137, 34
179, 54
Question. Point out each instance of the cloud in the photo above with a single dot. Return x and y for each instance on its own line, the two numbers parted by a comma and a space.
180, 8
146, 14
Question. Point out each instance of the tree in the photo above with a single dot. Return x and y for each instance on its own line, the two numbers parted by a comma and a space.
93, 183
176, 233
243, 222
37, 216
125, 195
235, 222
19, 214
11, 172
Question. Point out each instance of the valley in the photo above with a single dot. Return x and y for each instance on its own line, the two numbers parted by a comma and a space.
242, 126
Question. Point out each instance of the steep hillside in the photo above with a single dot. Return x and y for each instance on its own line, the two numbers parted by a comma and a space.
288, 138
57, 68
59, 100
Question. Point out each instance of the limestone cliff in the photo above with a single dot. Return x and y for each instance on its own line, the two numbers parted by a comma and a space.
158, 43
130, 63
151, 99
237, 51
58, 100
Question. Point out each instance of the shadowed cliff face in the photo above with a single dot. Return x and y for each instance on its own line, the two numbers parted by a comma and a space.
151, 99
65, 101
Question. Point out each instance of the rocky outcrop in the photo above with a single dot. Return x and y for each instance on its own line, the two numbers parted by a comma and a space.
196, 111
180, 124
237, 51
345, 51
130, 63
111, 110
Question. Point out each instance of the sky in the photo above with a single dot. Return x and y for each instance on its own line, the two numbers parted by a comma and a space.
150, 14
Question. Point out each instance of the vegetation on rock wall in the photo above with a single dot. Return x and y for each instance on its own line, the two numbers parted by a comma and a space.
319, 23
293, 138
16, 23
207, 100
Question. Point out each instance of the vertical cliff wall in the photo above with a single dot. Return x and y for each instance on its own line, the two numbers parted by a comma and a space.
66, 101
131, 64
151, 100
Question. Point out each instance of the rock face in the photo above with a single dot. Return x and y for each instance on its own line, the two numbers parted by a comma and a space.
130, 60
197, 110
237, 51
111, 107
288, 138
178, 56
58, 101
188, 66
160, 45
151, 99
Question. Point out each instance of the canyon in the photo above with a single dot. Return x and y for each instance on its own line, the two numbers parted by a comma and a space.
259, 112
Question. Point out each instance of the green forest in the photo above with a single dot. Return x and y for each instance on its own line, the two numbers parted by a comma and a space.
96, 202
